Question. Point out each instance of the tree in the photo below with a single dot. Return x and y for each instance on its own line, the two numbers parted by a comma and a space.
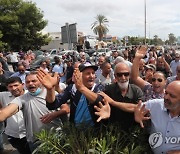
21, 24
99, 27
172, 38
157, 41
1, 43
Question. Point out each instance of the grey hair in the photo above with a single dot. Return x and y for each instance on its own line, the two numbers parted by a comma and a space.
121, 63
118, 60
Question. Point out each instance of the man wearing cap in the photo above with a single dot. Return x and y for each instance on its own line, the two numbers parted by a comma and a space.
82, 94
151, 91
150, 69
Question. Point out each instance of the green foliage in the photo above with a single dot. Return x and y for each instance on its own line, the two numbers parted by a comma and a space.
2, 45
21, 23
172, 38
106, 140
99, 27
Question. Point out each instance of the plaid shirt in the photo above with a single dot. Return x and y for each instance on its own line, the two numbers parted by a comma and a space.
150, 94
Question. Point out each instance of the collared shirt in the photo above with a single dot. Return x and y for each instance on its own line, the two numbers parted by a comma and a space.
22, 76
164, 130
13, 57
133, 95
150, 94
15, 124
173, 66
171, 79
104, 81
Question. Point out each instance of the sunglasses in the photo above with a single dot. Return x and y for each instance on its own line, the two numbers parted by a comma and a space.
158, 79
121, 74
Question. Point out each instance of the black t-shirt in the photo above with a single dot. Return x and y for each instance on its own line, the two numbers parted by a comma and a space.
134, 94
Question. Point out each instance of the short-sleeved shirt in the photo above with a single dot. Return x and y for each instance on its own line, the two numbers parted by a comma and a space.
134, 94
105, 81
150, 94
171, 79
15, 124
164, 130
33, 108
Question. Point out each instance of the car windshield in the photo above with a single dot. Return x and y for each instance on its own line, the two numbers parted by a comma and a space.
103, 50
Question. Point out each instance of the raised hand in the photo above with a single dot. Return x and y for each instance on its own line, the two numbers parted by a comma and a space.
78, 79
103, 111
106, 97
140, 113
141, 52
46, 79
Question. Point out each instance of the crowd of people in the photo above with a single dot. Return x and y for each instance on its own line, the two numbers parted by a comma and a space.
88, 95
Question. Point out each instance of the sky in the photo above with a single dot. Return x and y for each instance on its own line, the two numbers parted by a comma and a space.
126, 17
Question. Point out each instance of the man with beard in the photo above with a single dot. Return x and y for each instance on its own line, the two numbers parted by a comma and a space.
165, 120
122, 91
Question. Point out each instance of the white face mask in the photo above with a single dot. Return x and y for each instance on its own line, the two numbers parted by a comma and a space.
123, 85
37, 92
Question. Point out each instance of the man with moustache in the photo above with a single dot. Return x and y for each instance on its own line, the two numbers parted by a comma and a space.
165, 120
33, 105
122, 91
15, 128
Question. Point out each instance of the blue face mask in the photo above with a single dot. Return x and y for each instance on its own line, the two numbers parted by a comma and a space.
37, 92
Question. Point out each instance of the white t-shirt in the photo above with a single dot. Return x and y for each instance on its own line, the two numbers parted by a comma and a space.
15, 124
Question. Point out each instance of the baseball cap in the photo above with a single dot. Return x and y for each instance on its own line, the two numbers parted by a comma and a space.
150, 66
82, 67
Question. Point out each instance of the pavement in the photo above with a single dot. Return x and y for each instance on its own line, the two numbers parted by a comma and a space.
8, 149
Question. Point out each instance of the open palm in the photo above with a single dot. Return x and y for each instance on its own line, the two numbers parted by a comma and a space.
46, 79
141, 51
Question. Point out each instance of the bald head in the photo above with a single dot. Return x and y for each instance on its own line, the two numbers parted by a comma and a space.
172, 98
175, 86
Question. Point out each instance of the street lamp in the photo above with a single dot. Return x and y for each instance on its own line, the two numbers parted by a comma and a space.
145, 21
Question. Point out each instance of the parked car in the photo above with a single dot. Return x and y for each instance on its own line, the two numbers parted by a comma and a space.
90, 52
36, 63
101, 51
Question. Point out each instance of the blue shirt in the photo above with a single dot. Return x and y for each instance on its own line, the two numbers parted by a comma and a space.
82, 114
165, 130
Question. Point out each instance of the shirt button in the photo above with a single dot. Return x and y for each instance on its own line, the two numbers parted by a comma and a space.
168, 131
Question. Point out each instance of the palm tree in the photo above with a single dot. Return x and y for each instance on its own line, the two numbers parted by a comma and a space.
99, 27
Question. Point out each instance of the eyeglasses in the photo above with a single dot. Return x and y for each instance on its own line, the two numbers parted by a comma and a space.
121, 74
158, 79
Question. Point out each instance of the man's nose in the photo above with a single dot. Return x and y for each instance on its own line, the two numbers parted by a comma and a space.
13, 88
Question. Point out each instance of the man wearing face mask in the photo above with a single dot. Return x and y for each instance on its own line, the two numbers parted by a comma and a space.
33, 105
122, 91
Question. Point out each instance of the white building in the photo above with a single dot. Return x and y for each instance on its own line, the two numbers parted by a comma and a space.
55, 43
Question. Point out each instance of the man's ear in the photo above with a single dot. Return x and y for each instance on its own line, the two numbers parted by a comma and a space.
24, 86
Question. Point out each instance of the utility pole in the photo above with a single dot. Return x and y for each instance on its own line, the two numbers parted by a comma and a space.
145, 21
